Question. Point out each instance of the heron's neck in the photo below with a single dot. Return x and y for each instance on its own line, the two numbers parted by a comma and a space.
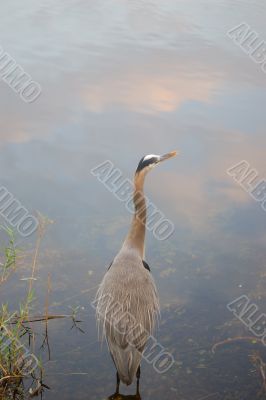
136, 235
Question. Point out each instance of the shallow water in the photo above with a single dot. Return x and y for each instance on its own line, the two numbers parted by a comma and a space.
120, 80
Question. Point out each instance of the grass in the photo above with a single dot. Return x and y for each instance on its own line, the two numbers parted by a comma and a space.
17, 338
9, 256
17, 359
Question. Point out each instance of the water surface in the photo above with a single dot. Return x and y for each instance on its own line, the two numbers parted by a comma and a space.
120, 80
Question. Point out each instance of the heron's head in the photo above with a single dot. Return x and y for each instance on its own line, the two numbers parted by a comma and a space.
148, 162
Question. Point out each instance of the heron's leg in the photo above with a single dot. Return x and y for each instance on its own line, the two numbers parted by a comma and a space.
117, 383
138, 378
116, 394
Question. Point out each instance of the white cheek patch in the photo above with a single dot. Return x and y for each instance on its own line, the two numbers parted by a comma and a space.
149, 156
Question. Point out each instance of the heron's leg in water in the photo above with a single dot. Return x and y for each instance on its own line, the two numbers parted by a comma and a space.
116, 394
117, 383
138, 377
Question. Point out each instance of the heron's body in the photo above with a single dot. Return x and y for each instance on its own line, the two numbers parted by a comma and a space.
130, 285
127, 300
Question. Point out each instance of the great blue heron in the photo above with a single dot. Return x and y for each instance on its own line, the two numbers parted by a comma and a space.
127, 299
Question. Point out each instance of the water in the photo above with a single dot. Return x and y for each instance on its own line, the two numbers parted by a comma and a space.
120, 80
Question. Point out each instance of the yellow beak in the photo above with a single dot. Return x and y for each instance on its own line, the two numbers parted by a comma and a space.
168, 155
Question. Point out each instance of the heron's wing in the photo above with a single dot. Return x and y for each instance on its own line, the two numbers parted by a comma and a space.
126, 360
127, 307
126, 340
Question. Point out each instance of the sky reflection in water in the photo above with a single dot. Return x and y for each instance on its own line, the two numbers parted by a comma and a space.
121, 80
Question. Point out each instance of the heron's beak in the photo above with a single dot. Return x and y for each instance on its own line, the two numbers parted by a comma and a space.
168, 155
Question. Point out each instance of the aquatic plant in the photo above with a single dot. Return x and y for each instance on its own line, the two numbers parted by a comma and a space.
17, 358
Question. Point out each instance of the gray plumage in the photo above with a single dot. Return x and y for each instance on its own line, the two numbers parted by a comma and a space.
127, 304
127, 307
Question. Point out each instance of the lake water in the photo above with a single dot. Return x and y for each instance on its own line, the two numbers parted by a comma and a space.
120, 80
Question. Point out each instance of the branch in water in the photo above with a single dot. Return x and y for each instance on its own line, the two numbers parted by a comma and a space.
236, 339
